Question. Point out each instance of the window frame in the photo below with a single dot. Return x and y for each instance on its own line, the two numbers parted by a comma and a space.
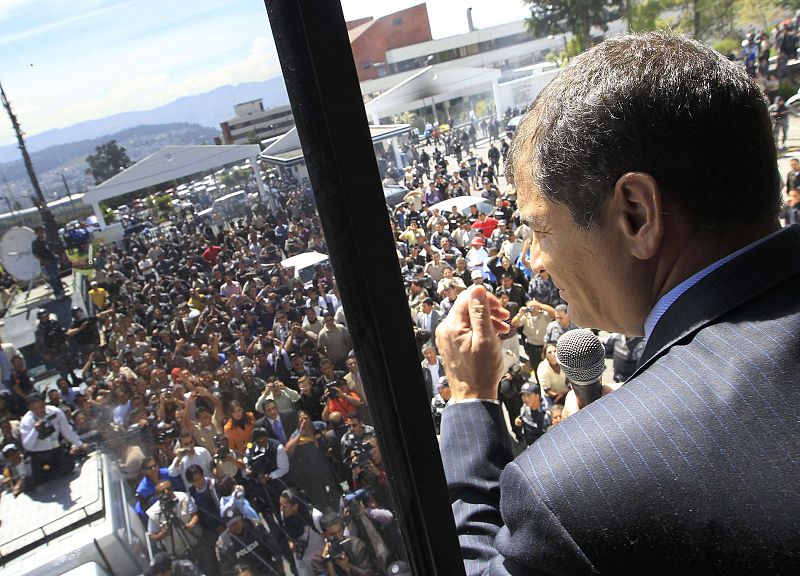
321, 79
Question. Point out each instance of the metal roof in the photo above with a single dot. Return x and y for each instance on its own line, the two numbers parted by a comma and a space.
286, 151
168, 164
433, 83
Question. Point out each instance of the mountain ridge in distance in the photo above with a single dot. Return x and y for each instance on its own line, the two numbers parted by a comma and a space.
207, 109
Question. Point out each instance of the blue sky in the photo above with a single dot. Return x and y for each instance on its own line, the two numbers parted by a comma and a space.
63, 62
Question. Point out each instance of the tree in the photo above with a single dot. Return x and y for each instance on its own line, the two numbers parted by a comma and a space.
576, 16
705, 20
108, 160
760, 13
644, 15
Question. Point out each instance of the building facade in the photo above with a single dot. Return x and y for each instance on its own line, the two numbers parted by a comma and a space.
252, 123
371, 38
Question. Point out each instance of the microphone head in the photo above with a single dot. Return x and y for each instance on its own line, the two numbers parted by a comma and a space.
581, 355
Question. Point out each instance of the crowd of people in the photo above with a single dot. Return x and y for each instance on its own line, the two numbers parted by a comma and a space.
229, 391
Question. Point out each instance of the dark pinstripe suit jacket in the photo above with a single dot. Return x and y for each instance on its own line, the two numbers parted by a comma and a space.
692, 466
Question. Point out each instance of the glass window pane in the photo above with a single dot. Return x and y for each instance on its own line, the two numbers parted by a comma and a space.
210, 360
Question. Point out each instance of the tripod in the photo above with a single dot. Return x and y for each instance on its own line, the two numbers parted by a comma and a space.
273, 524
177, 535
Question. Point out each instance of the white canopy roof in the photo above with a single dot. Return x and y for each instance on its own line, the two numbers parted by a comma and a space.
463, 203
168, 164
431, 84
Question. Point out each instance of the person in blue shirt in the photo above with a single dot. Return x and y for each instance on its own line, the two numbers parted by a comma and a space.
146, 490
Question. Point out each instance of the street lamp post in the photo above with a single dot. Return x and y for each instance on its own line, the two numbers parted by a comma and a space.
50, 226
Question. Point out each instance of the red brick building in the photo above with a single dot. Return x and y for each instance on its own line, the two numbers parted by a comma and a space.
370, 37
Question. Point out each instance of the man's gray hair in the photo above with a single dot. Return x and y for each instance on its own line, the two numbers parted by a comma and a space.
661, 104
562, 308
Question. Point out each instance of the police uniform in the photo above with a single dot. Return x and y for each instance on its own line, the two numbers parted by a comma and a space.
253, 547
534, 422
51, 342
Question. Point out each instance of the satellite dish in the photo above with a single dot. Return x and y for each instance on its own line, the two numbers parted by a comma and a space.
16, 255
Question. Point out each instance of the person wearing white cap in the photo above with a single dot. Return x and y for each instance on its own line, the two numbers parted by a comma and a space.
478, 279
477, 255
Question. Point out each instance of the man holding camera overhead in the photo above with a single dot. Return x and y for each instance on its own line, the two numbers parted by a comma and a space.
41, 429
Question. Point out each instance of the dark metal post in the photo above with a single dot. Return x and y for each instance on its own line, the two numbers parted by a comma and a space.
50, 226
317, 62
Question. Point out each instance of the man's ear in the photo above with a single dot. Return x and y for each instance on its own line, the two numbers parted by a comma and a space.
637, 211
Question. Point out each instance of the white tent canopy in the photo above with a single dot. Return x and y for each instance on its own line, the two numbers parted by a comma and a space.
431, 84
168, 164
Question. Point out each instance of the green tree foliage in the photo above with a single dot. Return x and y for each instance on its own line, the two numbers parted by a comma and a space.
576, 16
234, 178
107, 161
646, 15
760, 14
706, 20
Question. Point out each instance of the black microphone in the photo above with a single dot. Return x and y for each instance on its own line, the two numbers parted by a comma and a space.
582, 357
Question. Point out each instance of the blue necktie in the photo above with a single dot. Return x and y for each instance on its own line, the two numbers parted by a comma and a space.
277, 427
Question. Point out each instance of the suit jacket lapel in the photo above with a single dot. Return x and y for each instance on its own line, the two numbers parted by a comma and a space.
726, 288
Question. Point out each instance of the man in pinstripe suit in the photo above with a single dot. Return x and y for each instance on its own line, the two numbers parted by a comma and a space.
646, 168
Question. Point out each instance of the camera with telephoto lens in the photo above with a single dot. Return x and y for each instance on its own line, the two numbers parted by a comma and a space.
360, 495
335, 548
221, 450
45, 428
167, 502
361, 454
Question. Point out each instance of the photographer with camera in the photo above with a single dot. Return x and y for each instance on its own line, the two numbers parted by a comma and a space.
173, 524
301, 523
152, 475
227, 463
266, 463
52, 346
369, 471
205, 425
41, 430
339, 398
84, 331
188, 454
357, 433
339, 555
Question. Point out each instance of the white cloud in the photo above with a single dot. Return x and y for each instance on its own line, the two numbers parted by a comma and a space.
261, 63
49, 27
135, 90
9, 7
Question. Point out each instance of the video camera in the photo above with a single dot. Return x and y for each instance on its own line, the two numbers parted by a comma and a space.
167, 503
335, 548
360, 495
221, 450
361, 454
45, 428
331, 391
